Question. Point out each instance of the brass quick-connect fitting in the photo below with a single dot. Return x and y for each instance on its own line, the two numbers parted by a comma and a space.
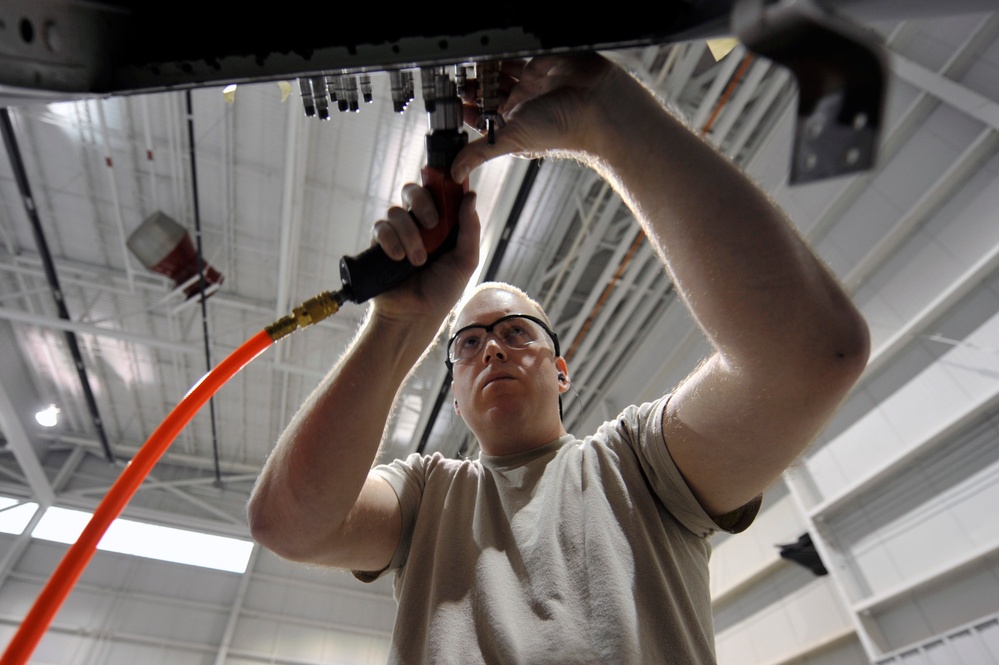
282, 327
311, 311
316, 309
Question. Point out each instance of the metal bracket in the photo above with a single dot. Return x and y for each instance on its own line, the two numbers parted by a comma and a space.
841, 72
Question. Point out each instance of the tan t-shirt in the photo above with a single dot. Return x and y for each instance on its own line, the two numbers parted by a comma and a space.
580, 551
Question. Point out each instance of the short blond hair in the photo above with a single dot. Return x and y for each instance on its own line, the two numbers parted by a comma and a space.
498, 286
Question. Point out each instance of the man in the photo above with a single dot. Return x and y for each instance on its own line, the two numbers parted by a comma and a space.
549, 548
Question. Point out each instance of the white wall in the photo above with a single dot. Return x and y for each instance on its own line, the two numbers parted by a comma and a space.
901, 492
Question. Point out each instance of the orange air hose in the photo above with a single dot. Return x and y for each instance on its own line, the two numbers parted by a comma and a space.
76, 559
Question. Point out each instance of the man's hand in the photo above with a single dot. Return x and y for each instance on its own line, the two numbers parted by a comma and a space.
430, 293
551, 104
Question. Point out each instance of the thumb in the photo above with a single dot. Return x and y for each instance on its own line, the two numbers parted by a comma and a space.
478, 152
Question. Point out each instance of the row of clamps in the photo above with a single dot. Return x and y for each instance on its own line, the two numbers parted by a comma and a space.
319, 92
442, 96
442, 92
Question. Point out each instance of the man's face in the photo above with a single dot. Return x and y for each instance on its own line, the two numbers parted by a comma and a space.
507, 391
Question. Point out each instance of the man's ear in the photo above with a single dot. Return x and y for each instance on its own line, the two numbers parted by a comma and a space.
563, 374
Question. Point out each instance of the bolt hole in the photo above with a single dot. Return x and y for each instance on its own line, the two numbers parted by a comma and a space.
485, 40
815, 127
852, 156
860, 121
27, 31
442, 44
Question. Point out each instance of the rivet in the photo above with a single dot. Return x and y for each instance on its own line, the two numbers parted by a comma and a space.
50, 36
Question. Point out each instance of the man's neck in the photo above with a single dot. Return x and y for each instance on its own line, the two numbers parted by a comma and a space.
507, 445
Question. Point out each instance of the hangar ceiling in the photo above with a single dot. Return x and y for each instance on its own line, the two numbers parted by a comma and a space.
282, 197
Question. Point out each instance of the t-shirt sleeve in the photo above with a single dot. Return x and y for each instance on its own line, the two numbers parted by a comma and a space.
407, 479
644, 423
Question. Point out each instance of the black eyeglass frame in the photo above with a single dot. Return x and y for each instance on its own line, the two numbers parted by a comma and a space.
489, 329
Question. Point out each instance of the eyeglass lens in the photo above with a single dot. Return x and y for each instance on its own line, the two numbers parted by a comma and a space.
513, 332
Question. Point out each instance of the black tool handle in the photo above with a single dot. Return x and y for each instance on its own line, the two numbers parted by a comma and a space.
372, 272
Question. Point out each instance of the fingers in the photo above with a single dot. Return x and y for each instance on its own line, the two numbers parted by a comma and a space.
509, 74
530, 79
508, 78
534, 78
471, 157
559, 105
511, 69
480, 151
399, 233
444, 280
419, 200
399, 236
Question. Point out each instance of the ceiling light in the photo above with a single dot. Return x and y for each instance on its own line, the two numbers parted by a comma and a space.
151, 541
49, 416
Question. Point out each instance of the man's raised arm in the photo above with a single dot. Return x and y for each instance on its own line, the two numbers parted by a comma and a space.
314, 500
788, 342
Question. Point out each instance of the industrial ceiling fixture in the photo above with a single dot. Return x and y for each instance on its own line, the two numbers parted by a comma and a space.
164, 246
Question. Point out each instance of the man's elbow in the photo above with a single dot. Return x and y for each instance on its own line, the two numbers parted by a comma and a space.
843, 354
268, 529
855, 346
269, 534
287, 532
263, 526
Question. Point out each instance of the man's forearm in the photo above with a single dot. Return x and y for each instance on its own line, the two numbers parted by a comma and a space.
752, 284
788, 341
316, 472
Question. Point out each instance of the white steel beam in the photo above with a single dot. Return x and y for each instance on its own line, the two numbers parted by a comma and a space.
218, 513
946, 187
724, 71
56, 323
684, 67
165, 484
129, 450
20, 316
119, 217
237, 607
960, 287
735, 107
23, 539
20, 444
946, 90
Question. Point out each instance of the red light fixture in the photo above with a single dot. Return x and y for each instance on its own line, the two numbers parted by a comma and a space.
164, 246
